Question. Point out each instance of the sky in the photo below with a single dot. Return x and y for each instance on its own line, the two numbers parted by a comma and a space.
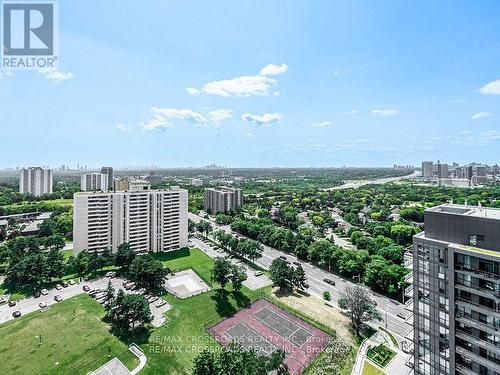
260, 84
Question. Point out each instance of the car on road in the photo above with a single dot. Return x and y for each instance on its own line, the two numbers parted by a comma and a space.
44, 292
86, 288
16, 314
65, 284
71, 282
153, 299
59, 287
42, 305
12, 303
111, 274
258, 273
58, 298
161, 303
329, 281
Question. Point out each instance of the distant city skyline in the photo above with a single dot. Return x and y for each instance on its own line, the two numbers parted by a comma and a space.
261, 84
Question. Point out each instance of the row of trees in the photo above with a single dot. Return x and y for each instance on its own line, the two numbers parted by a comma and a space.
236, 360
224, 272
287, 276
32, 261
245, 248
144, 270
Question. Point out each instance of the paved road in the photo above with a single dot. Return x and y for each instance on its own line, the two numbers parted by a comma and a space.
30, 304
354, 184
317, 286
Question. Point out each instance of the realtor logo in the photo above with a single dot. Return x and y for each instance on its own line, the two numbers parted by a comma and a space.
29, 34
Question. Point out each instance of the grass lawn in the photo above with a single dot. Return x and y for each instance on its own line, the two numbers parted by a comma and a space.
172, 347
381, 355
369, 369
69, 345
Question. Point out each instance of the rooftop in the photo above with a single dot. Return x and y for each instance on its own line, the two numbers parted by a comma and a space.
467, 210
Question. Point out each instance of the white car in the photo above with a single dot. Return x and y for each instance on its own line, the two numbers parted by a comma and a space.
161, 303
258, 273
153, 299
71, 282
44, 292
42, 305
59, 287
111, 274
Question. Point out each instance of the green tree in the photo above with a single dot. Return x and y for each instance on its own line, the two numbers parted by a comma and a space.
359, 306
124, 257
148, 273
221, 271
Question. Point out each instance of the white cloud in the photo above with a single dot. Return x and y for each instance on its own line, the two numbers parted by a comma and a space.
193, 91
265, 119
121, 126
273, 69
384, 112
56, 75
156, 123
352, 112
184, 114
321, 124
219, 115
480, 115
491, 88
243, 86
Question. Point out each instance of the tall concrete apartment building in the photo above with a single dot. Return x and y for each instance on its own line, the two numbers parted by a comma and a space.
427, 169
222, 199
36, 181
108, 171
94, 182
456, 292
151, 221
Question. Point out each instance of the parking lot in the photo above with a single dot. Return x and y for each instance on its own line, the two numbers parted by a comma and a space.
31, 304
252, 282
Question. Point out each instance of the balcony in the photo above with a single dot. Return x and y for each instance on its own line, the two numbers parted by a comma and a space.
409, 277
490, 276
488, 361
409, 291
478, 307
476, 340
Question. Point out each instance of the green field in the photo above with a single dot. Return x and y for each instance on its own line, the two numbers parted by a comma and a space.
369, 369
172, 347
69, 345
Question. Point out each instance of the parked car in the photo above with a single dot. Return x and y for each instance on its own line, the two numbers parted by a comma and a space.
329, 281
16, 314
374, 302
282, 257
153, 299
37, 294
71, 282
86, 288
258, 273
42, 305
44, 292
12, 303
297, 263
58, 298
111, 274
59, 287
65, 284
161, 303
129, 285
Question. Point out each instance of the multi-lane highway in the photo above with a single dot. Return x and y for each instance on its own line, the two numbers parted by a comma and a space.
317, 286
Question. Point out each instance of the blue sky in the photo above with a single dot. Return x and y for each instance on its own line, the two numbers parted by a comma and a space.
261, 83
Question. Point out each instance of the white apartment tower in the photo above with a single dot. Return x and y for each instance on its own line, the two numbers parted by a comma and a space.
36, 181
94, 182
151, 221
223, 199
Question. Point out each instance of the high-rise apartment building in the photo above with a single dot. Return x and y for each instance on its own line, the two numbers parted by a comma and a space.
222, 199
94, 182
108, 171
456, 292
130, 184
427, 169
36, 181
153, 220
